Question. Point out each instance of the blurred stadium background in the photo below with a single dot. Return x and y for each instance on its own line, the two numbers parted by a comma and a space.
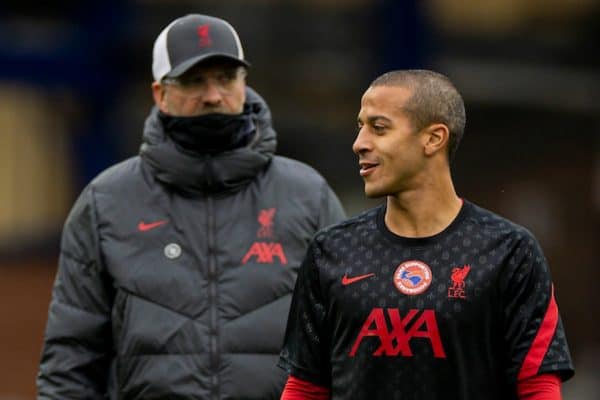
75, 88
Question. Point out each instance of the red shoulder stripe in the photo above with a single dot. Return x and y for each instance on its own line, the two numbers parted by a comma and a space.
542, 341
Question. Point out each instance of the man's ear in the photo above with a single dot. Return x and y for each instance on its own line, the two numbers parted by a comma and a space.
158, 92
437, 137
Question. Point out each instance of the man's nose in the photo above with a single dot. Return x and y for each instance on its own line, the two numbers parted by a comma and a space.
212, 93
360, 143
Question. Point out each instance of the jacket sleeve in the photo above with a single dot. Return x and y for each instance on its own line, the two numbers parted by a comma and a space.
77, 344
331, 210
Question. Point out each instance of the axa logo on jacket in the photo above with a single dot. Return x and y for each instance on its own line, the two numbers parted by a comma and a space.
264, 252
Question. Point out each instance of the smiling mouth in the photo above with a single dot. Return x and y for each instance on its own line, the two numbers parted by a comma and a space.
366, 168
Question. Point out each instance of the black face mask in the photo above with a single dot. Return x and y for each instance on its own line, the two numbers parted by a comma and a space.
210, 133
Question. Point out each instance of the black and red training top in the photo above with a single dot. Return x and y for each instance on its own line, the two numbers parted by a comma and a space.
464, 314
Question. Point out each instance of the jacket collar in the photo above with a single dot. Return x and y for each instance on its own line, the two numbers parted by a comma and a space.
222, 172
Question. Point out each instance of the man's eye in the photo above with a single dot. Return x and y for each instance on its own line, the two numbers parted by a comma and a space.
378, 128
193, 80
227, 77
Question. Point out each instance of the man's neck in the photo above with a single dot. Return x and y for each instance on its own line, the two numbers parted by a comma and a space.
424, 211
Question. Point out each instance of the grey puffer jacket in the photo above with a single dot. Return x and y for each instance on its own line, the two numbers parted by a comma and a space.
176, 272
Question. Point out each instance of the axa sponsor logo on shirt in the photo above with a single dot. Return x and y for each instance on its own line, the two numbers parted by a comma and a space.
395, 339
266, 250
396, 329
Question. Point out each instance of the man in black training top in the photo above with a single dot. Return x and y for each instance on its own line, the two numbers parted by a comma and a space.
428, 296
177, 266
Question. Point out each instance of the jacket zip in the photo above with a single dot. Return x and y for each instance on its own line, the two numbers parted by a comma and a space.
212, 276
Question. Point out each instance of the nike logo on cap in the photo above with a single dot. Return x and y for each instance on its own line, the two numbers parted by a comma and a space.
143, 227
348, 281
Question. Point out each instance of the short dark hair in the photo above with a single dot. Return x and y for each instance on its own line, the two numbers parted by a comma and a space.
434, 99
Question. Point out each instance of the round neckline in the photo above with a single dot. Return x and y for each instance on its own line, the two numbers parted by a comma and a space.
425, 240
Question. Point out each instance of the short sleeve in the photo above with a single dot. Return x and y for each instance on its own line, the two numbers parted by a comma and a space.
533, 330
304, 352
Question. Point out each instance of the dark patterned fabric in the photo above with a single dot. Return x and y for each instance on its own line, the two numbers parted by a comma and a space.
358, 324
